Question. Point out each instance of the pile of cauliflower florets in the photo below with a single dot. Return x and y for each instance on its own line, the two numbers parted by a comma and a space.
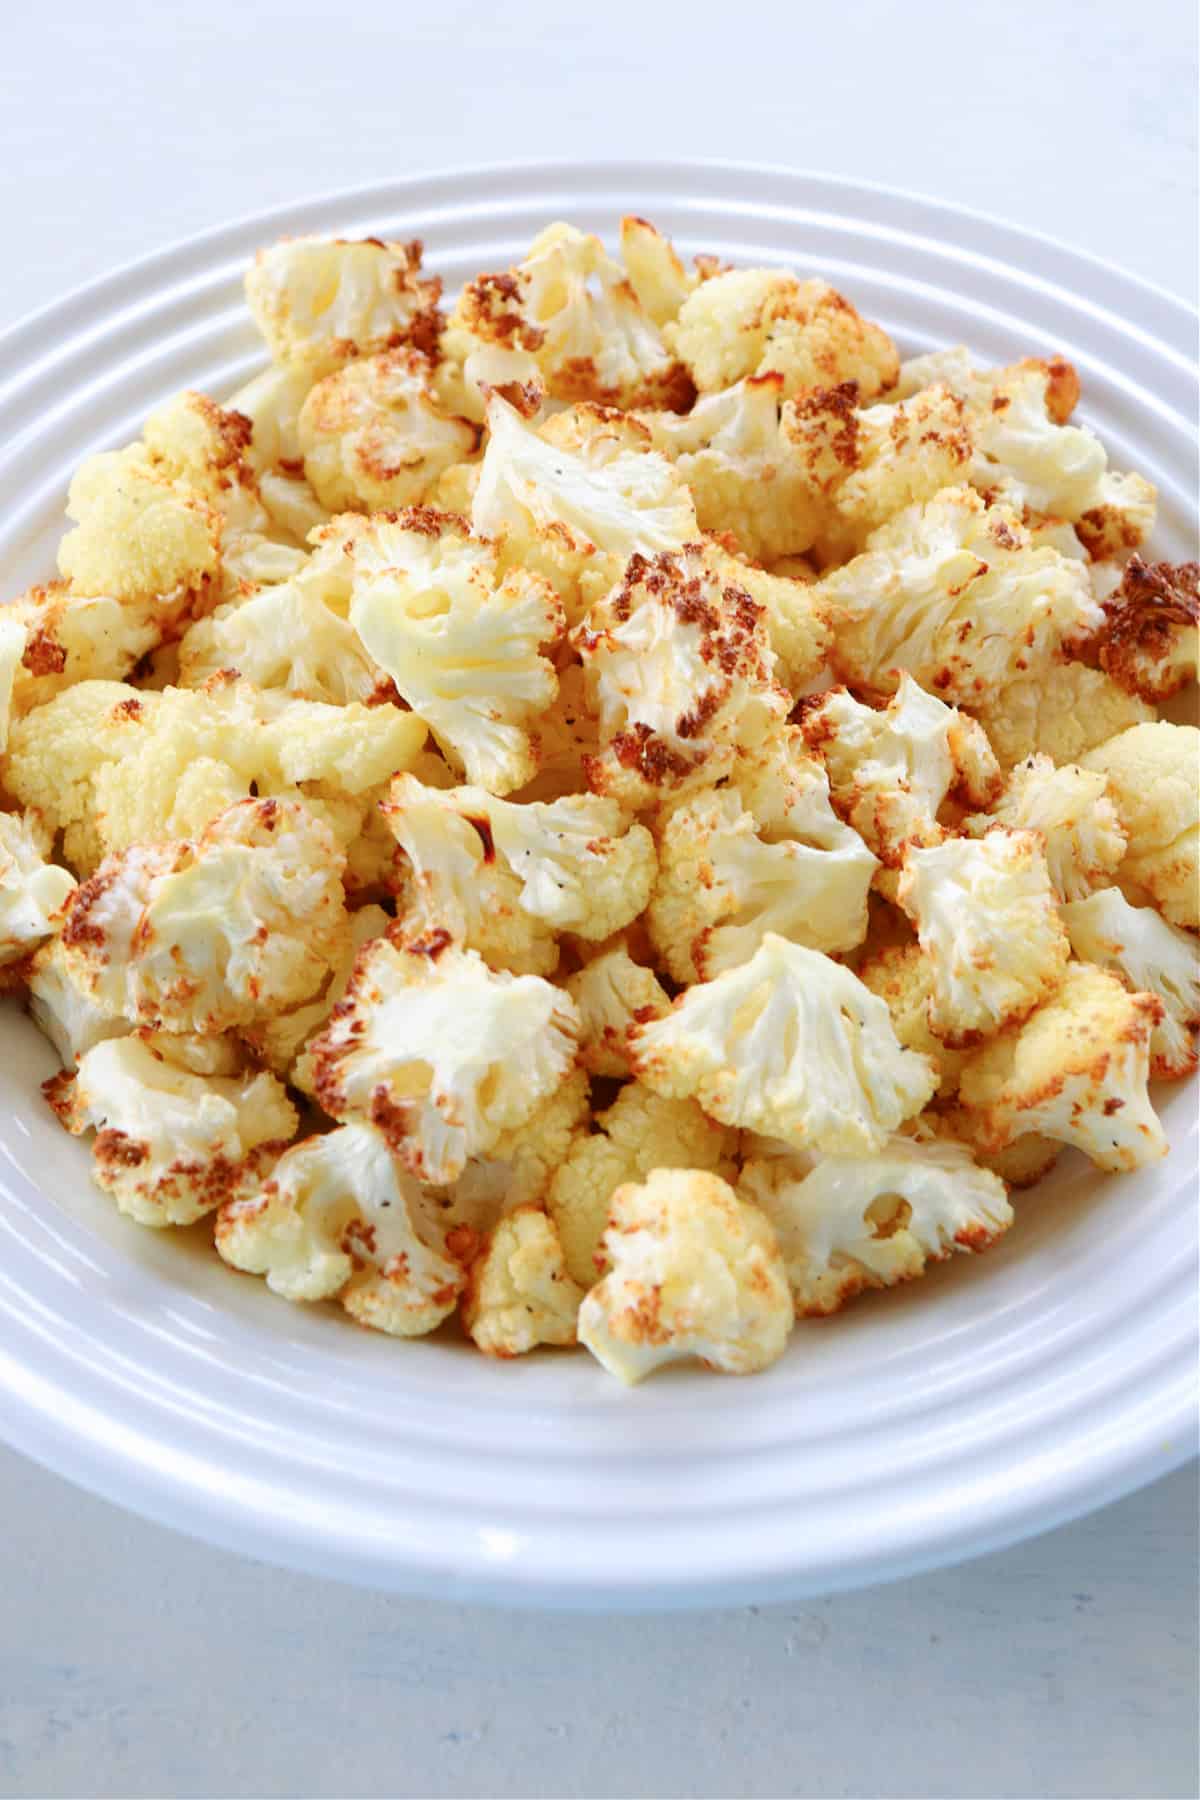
622, 811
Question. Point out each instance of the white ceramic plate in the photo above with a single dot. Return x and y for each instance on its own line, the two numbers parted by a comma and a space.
997, 1397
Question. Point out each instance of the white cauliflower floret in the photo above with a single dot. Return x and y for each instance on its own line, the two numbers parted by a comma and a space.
1063, 711
33, 891
460, 640
482, 867
695, 1272
272, 402
680, 675
753, 322
955, 592
791, 1045
860, 1222
212, 933
725, 881
13, 635
373, 435
1076, 1071
576, 511
71, 637
139, 533
612, 992
640, 1131
655, 273
441, 1052
519, 1294
54, 754
986, 917
1148, 642
320, 302
797, 629
1082, 835
1151, 957
572, 308
902, 976
279, 1040
72, 1021
338, 1218
890, 772
1151, 772
171, 1144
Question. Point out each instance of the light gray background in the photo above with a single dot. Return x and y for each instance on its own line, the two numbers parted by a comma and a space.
133, 1662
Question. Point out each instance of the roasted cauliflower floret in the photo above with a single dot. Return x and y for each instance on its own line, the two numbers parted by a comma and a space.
890, 772
212, 933
373, 435
55, 752
695, 1272
860, 1222
139, 533
1075, 1071
519, 1294
320, 302
1021, 1164
655, 273
1082, 835
505, 877
1064, 711
753, 322
73, 1023
902, 976
955, 592
724, 882
986, 917
69, 637
1153, 775
171, 1144
574, 310
789, 1044
280, 1039
460, 640
442, 1053
612, 992
797, 629
1148, 642
680, 675
33, 891
640, 1131
338, 1218
1151, 957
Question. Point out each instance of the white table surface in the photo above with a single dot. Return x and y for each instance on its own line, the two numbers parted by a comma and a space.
134, 1662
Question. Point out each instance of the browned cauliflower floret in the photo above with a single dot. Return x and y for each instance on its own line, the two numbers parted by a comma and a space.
1071, 808
320, 302
33, 891
612, 992
1153, 775
519, 1294
1062, 711
902, 975
1148, 641
694, 1271
1076, 1071
66, 638
139, 534
173, 1142
373, 435
212, 933
1151, 956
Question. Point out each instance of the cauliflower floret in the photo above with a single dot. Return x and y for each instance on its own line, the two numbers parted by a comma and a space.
752, 322
460, 641
279, 1039
33, 891
955, 592
13, 635
640, 1131
655, 273
724, 882
570, 865
860, 1222
209, 934
1021, 1164
1070, 807
902, 975
985, 916
172, 1144
373, 436
797, 629
272, 403
1064, 711
320, 302
695, 1272
73, 1023
139, 534
339, 1218
890, 772
577, 511
612, 992
1151, 957
568, 734
1076, 1071
519, 1294
680, 675
55, 752
70, 638
441, 1052
789, 1044
571, 308
1152, 774
1148, 642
